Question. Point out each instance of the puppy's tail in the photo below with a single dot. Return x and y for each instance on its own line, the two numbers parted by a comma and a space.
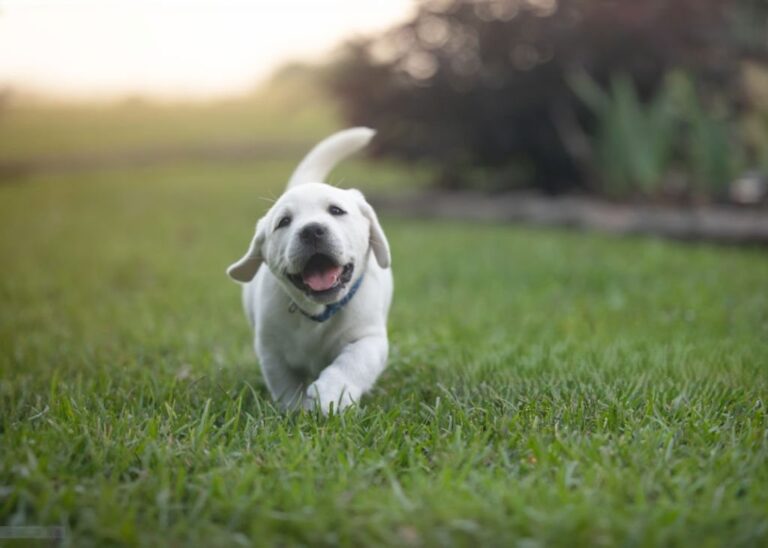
327, 153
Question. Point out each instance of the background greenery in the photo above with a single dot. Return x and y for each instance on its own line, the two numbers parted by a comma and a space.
493, 93
290, 110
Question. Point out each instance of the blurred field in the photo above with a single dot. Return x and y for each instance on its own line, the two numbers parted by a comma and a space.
288, 111
242, 137
543, 388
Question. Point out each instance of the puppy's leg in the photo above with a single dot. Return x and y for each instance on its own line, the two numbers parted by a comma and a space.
350, 375
285, 385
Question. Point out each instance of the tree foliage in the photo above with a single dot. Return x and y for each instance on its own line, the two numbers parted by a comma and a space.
487, 84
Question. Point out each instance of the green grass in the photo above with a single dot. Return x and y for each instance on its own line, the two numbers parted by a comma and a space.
544, 387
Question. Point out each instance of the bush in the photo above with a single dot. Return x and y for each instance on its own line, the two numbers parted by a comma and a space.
485, 86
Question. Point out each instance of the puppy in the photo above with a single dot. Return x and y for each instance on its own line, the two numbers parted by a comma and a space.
318, 286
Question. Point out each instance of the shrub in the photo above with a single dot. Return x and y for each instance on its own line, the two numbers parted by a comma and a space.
476, 86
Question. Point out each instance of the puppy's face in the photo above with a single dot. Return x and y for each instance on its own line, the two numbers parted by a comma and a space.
315, 239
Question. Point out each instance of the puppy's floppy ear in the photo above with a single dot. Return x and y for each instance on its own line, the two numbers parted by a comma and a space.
377, 239
245, 269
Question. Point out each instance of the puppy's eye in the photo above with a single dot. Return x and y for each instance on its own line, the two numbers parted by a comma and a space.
335, 210
285, 221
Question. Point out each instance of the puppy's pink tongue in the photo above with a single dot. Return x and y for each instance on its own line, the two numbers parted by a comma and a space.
320, 280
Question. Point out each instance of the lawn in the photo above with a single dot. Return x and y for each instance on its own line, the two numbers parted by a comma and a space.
544, 387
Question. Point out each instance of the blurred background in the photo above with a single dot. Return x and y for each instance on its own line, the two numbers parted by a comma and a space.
661, 103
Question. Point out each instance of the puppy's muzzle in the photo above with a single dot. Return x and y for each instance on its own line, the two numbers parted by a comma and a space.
313, 234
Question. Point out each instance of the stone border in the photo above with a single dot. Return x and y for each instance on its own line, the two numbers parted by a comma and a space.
715, 223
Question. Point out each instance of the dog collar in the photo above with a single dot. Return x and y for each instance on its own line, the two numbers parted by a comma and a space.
332, 309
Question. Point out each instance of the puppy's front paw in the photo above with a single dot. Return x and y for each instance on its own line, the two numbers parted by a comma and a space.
330, 392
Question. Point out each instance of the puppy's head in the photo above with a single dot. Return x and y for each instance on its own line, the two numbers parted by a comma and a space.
316, 240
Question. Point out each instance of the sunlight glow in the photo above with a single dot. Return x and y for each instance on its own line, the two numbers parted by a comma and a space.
172, 48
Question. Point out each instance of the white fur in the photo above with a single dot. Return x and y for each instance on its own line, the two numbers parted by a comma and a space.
306, 363
321, 160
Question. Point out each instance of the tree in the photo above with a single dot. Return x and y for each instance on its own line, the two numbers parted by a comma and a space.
485, 84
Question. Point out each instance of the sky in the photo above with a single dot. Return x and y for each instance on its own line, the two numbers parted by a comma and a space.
172, 48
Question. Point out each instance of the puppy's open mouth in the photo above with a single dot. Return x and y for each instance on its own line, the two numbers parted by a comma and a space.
322, 275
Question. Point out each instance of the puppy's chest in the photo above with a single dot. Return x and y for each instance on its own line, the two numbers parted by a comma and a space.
304, 348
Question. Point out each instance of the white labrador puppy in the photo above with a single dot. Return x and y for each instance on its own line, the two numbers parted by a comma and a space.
318, 286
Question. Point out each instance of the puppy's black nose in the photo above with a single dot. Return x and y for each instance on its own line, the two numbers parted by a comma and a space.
312, 233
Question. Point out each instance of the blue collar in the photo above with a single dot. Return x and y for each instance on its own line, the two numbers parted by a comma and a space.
331, 309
